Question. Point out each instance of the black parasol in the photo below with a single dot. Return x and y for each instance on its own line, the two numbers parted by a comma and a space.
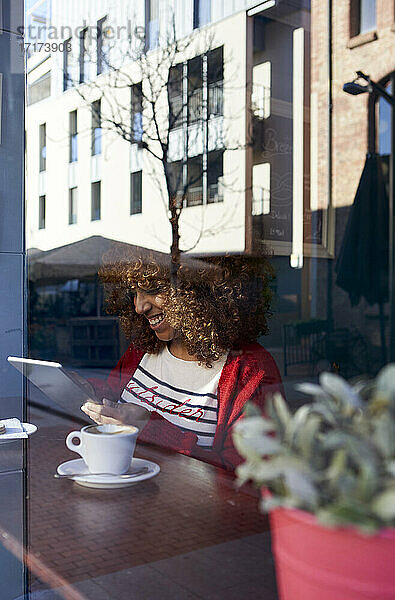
362, 266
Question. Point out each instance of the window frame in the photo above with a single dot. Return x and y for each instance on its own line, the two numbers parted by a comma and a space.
67, 54
136, 108
43, 147
95, 185
96, 128
136, 207
99, 46
83, 35
73, 204
42, 201
73, 136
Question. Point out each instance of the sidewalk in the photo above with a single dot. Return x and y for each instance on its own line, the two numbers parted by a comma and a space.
179, 577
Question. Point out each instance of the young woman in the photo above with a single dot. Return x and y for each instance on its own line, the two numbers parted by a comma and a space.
193, 362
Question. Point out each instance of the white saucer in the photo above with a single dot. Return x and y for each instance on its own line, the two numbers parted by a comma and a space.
107, 481
28, 428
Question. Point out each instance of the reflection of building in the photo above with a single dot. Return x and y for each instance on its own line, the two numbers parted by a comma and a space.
262, 88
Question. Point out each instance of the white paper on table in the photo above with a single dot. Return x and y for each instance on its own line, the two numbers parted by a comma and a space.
14, 430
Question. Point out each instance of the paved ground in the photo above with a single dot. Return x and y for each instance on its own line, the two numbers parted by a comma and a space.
180, 577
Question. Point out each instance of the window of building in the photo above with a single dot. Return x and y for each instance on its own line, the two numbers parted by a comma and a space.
38, 22
384, 123
73, 141
175, 96
103, 46
195, 180
195, 89
96, 128
215, 84
73, 197
43, 147
67, 65
215, 173
96, 201
136, 193
176, 175
362, 16
41, 212
136, 112
152, 24
84, 55
201, 13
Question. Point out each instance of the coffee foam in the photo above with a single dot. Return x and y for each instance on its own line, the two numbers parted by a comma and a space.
96, 429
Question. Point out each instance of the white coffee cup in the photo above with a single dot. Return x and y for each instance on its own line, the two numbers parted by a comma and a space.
105, 448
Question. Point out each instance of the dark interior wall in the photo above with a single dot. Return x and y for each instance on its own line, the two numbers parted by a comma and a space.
12, 287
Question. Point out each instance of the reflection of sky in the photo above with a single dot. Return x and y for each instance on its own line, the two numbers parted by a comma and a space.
384, 125
41, 8
29, 4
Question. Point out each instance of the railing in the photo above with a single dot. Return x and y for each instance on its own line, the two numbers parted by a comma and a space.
195, 196
216, 99
176, 108
215, 193
260, 101
195, 105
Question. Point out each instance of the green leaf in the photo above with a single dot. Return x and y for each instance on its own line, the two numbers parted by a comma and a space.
296, 423
385, 381
344, 514
281, 410
307, 437
384, 435
269, 503
383, 505
301, 486
340, 389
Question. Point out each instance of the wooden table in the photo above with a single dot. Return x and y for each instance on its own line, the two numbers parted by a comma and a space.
83, 533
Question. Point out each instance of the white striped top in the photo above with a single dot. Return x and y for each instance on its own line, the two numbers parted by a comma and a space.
181, 391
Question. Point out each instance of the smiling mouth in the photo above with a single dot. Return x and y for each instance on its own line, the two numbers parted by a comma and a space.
156, 320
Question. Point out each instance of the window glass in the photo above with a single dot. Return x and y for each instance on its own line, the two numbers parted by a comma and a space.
68, 80
73, 137
176, 103
96, 201
202, 13
367, 15
96, 128
384, 124
137, 112
195, 89
84, 59
215, 171
195, 181
103, 38
41, 212
73, 198
193, 246
43, 147
153, 23
135, 193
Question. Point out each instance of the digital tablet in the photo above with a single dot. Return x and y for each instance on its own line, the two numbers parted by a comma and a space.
57, 383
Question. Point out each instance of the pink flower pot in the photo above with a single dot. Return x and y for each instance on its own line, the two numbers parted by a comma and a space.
317, 563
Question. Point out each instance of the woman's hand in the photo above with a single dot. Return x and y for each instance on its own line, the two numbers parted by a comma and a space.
116, 413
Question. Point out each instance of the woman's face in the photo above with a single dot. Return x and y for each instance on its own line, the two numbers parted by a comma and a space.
150, 304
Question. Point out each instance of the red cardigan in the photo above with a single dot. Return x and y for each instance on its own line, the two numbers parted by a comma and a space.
249, 373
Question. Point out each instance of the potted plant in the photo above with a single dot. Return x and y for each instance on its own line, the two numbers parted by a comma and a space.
328, 478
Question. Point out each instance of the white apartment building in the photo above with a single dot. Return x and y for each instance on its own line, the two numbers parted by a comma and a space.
245, 149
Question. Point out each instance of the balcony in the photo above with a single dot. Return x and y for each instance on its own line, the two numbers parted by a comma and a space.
195, 196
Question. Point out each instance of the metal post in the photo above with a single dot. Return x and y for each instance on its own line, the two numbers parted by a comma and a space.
391, 230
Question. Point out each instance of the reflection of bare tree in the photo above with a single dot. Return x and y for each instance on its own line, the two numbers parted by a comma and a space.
169, 102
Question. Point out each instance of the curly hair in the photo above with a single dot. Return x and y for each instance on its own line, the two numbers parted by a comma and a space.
215, 305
